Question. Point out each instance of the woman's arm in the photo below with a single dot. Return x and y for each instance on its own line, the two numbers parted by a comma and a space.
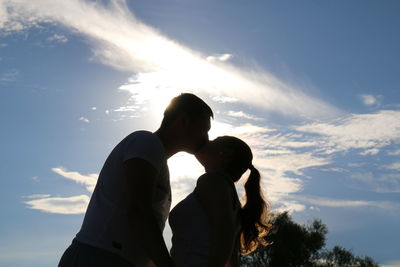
215, 195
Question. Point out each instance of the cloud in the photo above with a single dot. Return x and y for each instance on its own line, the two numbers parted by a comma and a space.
394, 166
372, 151
369, 100
342, 203
368, 132
219, 57
9, 76
64, 205
58, 38
394, 153
84, 119
241, 114
60, 205
380, 183
224, 99
123, 42
87, 180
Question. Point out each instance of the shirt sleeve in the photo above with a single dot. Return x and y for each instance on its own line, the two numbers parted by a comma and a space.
145, 146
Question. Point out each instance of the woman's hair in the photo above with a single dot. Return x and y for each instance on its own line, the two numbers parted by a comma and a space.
254, 212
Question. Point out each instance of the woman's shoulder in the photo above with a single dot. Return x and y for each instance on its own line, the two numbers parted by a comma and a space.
215, 181
215, 177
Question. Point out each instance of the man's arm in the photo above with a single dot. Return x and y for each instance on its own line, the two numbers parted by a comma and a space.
140, 181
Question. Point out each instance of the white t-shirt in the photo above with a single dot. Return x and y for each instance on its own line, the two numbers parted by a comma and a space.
106, 221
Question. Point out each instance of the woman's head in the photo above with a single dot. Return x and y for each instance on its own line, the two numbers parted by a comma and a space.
228, 154
233, 156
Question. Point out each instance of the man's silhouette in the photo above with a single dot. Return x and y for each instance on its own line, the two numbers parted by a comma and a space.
127, 212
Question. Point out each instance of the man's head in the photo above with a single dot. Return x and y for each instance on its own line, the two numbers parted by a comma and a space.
188, 117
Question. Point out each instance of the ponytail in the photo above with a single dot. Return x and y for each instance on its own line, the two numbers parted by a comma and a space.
253, 215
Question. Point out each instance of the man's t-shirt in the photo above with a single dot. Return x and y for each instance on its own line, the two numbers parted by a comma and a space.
106, 220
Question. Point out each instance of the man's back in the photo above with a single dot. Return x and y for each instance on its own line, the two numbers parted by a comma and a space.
106, 225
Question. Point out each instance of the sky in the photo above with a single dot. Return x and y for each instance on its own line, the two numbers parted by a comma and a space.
312, 86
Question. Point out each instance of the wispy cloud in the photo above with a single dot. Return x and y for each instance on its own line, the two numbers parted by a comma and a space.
370, 100
64, 205
368, 132
219, 57
84, 119
9, 76
241, 114
393, 166
87, 180
380, 183
394, 152
60, 205
342, 203
58, 38
120, 40
224, 99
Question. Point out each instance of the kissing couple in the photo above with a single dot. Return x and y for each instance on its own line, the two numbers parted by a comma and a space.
131, 202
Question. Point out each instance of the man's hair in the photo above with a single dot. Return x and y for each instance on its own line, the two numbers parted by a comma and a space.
189, 104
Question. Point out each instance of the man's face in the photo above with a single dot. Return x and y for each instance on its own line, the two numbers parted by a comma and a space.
197, 134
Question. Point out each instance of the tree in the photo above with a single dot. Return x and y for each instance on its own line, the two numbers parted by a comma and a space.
294, 245
339, 256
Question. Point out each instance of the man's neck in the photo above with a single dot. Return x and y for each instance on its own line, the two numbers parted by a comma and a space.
168, 142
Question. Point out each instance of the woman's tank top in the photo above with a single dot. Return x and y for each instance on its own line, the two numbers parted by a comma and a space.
190, 229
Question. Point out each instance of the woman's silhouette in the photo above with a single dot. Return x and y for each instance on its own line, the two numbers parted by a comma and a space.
210, 226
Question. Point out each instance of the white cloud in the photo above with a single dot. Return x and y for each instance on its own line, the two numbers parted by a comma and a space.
224, 99
369, 100
93, 108
342, 203
84, 119
290, 206
380, 183
372, 151
88, 180
65, 205
60, 205
58, 38
394, 153
127, 109
358, 131
394, 166
120, 40
219, 57
241, 114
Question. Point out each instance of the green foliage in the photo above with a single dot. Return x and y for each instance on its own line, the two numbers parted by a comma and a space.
294, 245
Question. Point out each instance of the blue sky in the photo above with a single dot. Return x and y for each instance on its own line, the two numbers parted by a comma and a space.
312, 86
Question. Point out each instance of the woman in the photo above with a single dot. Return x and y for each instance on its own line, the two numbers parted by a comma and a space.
210, 227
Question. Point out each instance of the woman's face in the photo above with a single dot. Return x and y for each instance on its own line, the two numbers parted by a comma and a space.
210, 155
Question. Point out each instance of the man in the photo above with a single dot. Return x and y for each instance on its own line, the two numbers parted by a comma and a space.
127, 212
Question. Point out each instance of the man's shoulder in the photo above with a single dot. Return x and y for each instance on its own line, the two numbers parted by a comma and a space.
143, 137
145, 145
141, 134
